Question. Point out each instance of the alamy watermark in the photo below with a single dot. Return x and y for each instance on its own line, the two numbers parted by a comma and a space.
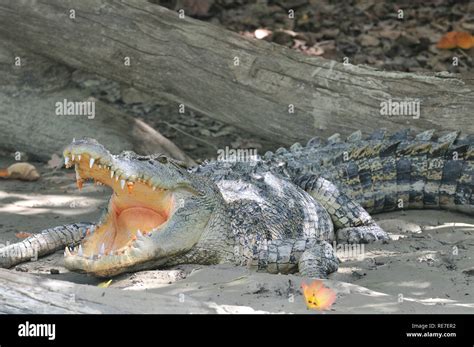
75, 108
28, 329
349, 250
237, 155
407, 107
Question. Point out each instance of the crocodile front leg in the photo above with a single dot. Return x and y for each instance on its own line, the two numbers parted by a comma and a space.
312, 257
318, 261
46, 242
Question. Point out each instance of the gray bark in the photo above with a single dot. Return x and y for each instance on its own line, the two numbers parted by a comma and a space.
192, 62
28, 122
31, 294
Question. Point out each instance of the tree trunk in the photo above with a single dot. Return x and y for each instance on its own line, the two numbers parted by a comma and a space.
30, 294
28, 122
248, 83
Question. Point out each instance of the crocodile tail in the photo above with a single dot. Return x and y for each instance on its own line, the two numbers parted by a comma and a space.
398, 172
46, 242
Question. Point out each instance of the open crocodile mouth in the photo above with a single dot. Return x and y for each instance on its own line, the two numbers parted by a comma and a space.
136, 210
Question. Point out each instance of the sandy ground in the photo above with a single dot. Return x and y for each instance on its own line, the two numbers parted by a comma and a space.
428, 267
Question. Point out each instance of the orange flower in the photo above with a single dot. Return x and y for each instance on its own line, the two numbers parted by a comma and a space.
317, 296
455, 39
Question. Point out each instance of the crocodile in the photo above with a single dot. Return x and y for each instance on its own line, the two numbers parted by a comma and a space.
280, 212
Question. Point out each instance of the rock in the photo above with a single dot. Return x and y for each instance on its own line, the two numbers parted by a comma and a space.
87, 80
408, 40
54, 271
469, 271
22, 171
330, 33
410, 63
132, 96
390, 34
282, 38
347, 47
205, 132
198, 8
261, 33
468, 26
292, 4
427, 33
368, 40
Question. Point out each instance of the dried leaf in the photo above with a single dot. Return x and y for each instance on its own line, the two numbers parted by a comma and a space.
465, 40
455, 39
448, 41
23, 235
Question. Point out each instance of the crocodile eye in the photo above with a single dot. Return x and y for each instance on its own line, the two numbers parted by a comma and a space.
162, 160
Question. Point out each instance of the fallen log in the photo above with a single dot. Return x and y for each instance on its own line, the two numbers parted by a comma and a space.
30, 95
31, 294
251, 84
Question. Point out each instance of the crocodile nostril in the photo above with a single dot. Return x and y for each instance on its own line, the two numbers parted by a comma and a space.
162, 160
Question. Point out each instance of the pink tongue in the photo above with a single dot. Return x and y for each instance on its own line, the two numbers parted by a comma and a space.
134, 218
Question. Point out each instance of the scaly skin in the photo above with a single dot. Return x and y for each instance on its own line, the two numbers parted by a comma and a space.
281, 212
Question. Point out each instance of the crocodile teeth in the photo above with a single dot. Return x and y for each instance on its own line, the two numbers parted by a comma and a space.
79, 157
66, 161
116, 178
122, 184
139, 234
79, 252
67, 252
102, 249
111, 174
154, 188
91, 162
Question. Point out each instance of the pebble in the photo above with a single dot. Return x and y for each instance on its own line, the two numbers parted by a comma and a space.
368, 40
